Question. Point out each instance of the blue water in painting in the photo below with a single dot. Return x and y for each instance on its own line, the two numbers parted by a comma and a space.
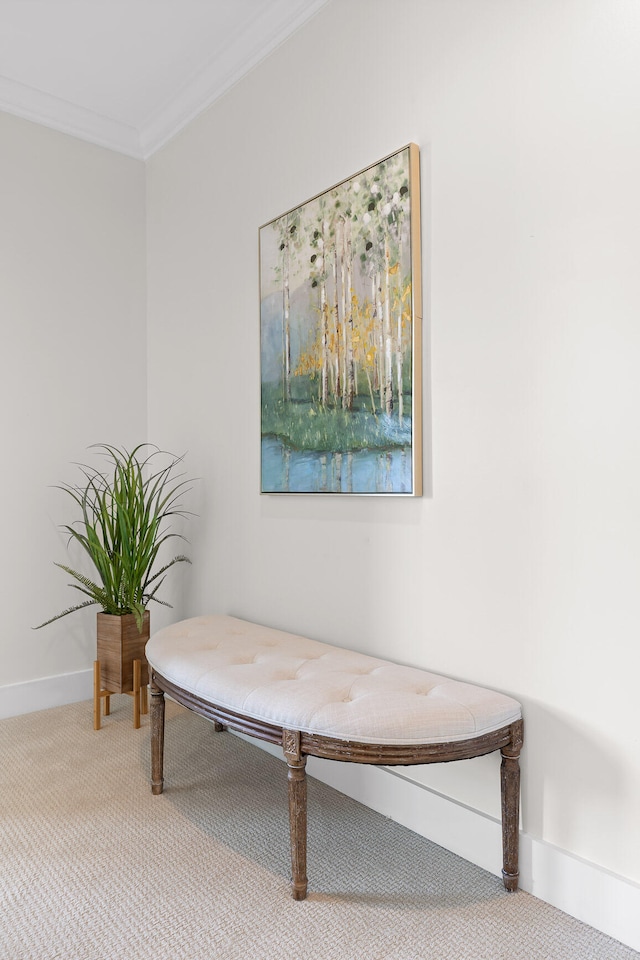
309, 471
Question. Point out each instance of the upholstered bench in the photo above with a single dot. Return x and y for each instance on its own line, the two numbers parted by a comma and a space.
314, 699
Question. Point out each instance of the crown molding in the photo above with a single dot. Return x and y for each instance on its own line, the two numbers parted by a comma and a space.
227, 65
69, 118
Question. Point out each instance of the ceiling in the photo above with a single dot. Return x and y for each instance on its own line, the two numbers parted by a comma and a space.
128, 74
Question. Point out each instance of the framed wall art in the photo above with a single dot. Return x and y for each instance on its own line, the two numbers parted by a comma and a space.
340, 325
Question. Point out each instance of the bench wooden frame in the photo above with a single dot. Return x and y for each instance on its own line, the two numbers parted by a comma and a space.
297, 746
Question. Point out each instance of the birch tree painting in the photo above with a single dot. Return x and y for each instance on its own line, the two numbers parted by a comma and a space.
340, 337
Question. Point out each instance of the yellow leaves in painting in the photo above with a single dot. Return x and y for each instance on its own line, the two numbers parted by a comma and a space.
359, 332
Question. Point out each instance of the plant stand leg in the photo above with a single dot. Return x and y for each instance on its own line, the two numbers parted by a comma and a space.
157, 739
98, 695
296, 763
144, 699
136, 694
510, 792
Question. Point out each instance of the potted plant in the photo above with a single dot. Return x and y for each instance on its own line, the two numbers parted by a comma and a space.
125, 510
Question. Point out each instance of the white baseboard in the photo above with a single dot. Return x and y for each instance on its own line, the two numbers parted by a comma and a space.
583, 890
19, 698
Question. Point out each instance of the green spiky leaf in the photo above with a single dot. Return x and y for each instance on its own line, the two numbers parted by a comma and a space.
125, 515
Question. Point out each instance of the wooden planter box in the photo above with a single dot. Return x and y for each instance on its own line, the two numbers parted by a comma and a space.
119, 645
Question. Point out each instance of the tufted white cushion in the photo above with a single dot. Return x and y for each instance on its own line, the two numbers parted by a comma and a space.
301, 684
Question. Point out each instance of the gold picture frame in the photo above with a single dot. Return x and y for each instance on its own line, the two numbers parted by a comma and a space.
340, 337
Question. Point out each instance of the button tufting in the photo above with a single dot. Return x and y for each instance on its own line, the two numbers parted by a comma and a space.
205, 663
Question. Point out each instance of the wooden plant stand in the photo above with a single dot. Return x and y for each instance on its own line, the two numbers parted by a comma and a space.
121, 665
139, 694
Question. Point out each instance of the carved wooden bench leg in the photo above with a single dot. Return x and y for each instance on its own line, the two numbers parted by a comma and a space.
297, 812
510, 791
157, 739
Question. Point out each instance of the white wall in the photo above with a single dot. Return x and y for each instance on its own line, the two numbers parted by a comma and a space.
520, 567
73, 322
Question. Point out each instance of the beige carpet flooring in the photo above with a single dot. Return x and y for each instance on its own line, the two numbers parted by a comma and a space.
93, 867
